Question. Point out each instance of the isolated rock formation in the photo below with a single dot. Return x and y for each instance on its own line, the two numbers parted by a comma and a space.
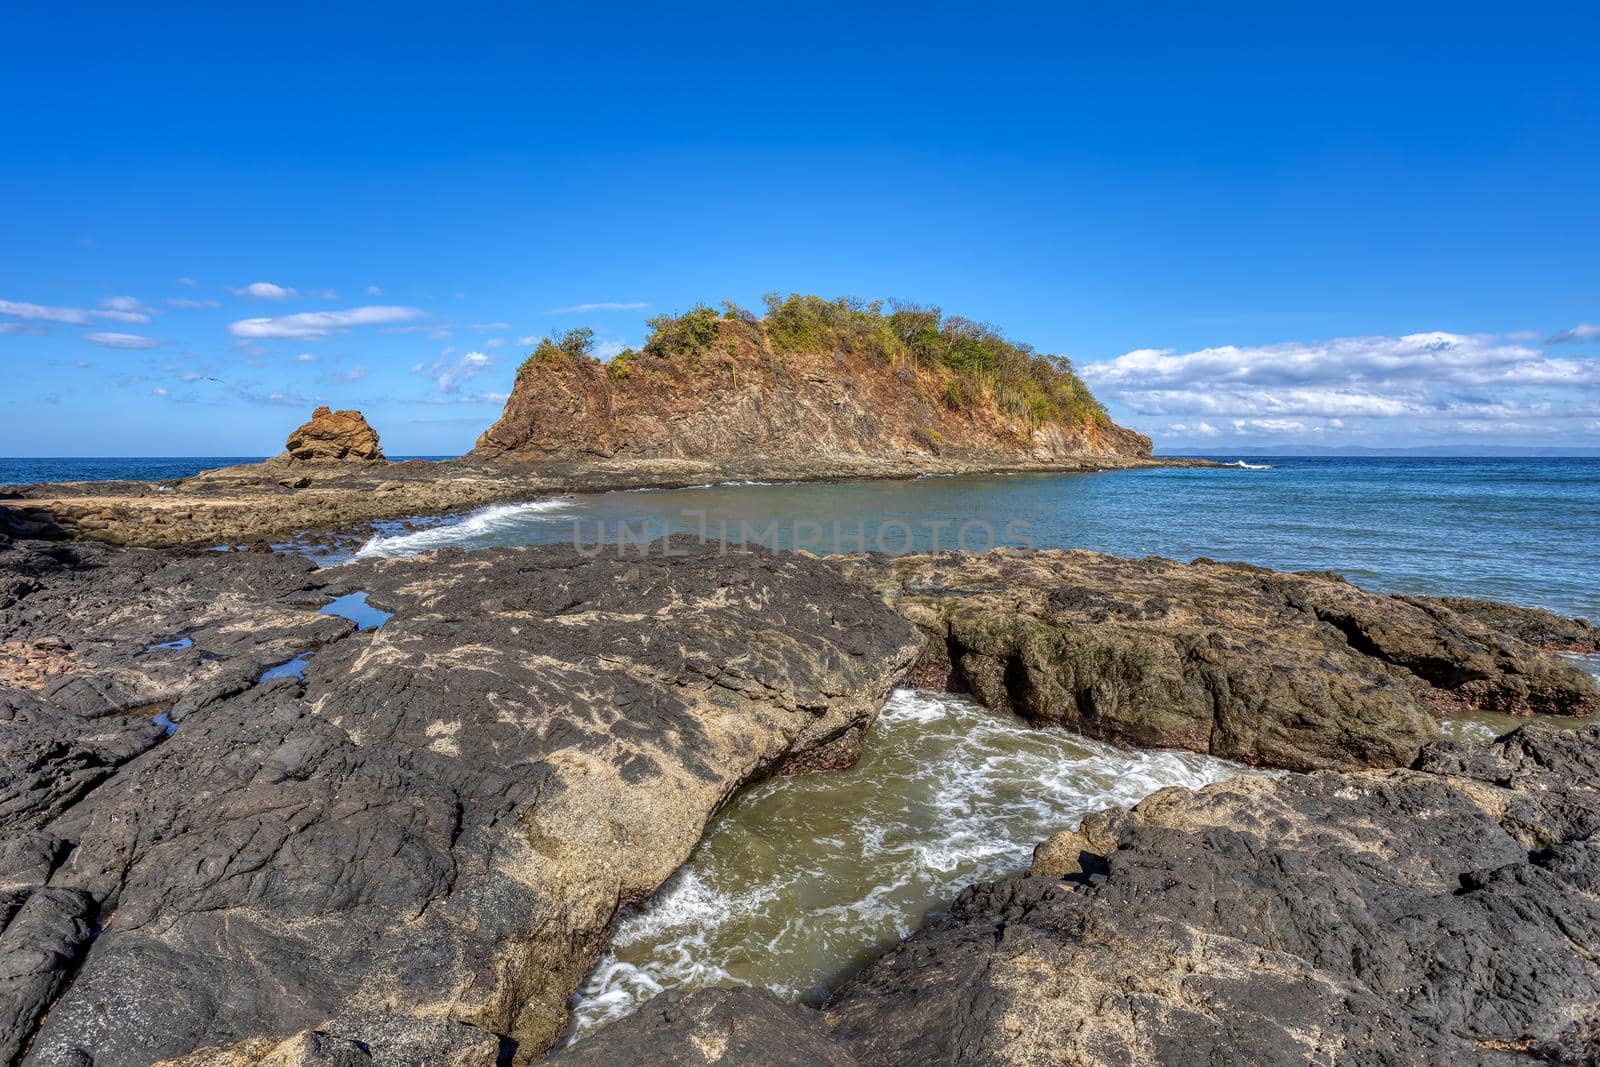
418, 848
1438, 915
739, 399
333, 437
1299, 671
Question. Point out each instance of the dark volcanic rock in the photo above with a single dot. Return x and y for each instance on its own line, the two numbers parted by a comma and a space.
1441, 915
1545, 629
1383, 917
1289, 670
729, 1027
415, 851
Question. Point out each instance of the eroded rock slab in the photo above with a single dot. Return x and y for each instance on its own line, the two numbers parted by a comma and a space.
1299, 671
415, 851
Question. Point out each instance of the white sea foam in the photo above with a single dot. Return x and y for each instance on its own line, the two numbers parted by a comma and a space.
1242, 465
472, 531
802, 877
1468, 730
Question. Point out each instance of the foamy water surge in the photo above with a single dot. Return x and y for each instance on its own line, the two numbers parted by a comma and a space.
801, 879
479, 529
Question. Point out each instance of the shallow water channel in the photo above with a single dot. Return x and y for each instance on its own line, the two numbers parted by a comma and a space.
800, 880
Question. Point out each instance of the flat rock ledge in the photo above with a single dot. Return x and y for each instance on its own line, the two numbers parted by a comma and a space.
1445, 913
410, 855
1295, 671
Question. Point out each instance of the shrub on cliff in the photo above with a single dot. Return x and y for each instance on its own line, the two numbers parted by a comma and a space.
687, 334
961, 363
621, 364
564, 348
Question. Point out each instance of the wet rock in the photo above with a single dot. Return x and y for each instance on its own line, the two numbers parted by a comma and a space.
435, 827
1545, 629
1288, 670
1382, 917
727, 1027
1443, 914
334, 437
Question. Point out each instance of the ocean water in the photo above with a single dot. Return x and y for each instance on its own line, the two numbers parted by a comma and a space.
26, 471
14, 471
1522, 530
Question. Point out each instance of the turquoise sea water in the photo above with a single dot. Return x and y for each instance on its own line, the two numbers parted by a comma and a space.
1523, 530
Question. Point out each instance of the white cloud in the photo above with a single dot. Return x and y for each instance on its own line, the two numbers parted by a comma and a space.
607, 349
494, 342
373, 290
158, 391
1584, 331
449, 374
263, 291
40, 313
123, 309
1423, 381
189, 283
193, 305
22, 327
306, 357
530, 341
316, 325
601, 306
122, 340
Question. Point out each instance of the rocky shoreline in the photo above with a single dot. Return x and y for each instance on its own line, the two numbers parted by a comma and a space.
268, 502
406, 846
333, 478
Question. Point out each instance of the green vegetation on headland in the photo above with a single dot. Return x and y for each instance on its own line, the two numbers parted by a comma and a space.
968, 363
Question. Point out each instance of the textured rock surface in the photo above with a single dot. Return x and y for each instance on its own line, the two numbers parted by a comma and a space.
717, 1026
1533, 625
1288, 670
333, 437
416, 850
1441, 915
1445, 914
741, 399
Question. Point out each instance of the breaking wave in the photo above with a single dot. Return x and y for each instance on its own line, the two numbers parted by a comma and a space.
480, 529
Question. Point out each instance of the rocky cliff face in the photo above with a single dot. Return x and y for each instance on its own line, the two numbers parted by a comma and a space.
737, 398
333, 437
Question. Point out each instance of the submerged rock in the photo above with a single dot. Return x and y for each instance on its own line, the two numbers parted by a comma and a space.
414, 852
1299, 671
1437, 915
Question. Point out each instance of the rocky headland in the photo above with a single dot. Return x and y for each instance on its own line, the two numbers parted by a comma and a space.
813, 390
242, 830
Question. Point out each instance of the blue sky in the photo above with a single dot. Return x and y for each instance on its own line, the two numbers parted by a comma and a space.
1258, 227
